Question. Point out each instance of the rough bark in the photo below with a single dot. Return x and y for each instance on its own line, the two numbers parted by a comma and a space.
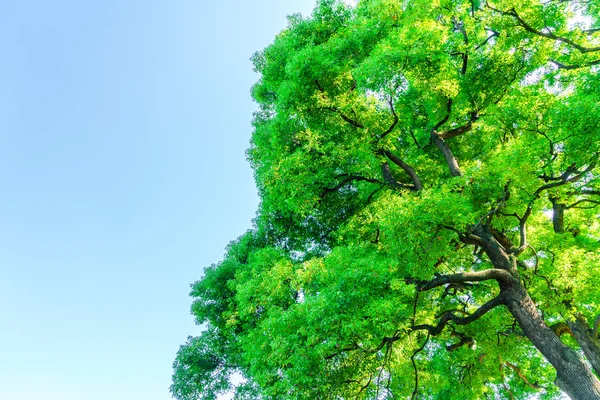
573, 375
558, 215
589, 343
409, 171
448, 155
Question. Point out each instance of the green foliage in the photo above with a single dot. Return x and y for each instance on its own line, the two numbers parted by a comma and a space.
319, 300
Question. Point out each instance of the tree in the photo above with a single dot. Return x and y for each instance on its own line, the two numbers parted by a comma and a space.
428, 225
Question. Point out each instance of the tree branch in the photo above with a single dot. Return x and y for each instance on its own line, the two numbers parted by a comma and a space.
494, 34
446, 118
349, 120
451, 316
548, 35
459, 26
451, 160
478, 276
389, 178
574, 205
394, 122
347, 179
566, 177
452, 133
521, 375
411, 172
575, 66
412, 359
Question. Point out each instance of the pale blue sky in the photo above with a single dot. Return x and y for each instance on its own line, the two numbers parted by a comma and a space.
123, 126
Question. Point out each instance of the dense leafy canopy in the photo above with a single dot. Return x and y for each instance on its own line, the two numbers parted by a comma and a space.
428, 180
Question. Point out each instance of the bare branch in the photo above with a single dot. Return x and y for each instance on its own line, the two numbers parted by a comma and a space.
343, 350
493, 35
459, 26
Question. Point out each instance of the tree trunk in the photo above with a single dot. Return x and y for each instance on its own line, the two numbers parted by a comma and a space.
589, 344
573, 376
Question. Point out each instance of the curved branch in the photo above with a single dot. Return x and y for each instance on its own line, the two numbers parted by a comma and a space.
493, 35
566, 177
575, 66
347, 179
461, 129
521, 375
574, 205
346, 118
460, 26
446, 118
394, 122
447, 153
451, 316
389, 178
411, 172
548, 35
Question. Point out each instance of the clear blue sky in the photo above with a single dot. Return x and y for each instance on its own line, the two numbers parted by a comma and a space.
123, 126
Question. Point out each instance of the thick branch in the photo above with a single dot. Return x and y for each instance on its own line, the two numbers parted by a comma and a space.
485, 275
558, 215
389, 178
461, 129
411, 172
451, 316
447, 153
588, 342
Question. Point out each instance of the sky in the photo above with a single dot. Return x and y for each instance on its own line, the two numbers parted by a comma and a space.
123, 127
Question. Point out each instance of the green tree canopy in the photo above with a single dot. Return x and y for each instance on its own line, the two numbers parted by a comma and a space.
428, 225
